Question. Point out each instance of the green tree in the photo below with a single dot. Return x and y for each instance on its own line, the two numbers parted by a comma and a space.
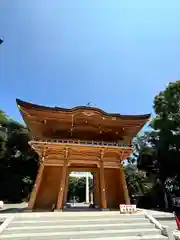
18, 162
3, 117
3, 129
77, 188
167, 124
163, 142
139, 184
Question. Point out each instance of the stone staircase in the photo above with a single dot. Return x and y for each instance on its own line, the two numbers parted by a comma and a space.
86, 226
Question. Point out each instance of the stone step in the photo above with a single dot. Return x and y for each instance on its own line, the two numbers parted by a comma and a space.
51, 221
86, 226
164, 218
79, 217
70, 222
149, 237
78, 233
169, 223
113, 226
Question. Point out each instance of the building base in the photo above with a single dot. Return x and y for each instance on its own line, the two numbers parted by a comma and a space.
105, 209
58, 210
28, 210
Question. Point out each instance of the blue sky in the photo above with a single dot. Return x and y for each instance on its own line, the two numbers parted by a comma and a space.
116, 54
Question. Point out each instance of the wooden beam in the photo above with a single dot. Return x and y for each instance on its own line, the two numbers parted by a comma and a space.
56, 161
82, 169
53, 165
83, 161
67, 118
76, 147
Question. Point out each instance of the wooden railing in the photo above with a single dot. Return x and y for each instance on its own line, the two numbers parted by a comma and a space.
83, 142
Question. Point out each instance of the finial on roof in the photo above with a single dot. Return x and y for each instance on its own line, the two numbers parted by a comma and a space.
89, 104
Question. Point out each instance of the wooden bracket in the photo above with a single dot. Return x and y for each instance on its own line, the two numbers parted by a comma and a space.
46, 151
43, 155
66, 152
122, 155
41, 160
72, 121
102, 154
23, 111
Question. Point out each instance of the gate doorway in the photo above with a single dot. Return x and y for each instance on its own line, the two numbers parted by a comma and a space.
79, 193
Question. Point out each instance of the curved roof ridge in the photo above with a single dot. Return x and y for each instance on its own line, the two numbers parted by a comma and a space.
40, 107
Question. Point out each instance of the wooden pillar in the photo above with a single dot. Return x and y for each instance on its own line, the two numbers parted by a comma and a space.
66, 188
63, 181
94, 188
97, 196
124, 185
103, 202
37, 184
91, 196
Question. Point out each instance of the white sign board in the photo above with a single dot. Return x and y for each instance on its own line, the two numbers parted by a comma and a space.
130, 208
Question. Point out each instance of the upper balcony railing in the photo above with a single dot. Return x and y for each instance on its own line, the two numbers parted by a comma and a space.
83, 142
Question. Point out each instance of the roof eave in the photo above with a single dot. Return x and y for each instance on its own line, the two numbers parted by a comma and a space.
28, 105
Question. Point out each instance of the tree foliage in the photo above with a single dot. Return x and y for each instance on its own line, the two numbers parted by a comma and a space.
163, 142
136, 180
18, 162
167, 124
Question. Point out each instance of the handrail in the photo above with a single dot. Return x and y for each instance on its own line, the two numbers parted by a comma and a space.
82, 142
